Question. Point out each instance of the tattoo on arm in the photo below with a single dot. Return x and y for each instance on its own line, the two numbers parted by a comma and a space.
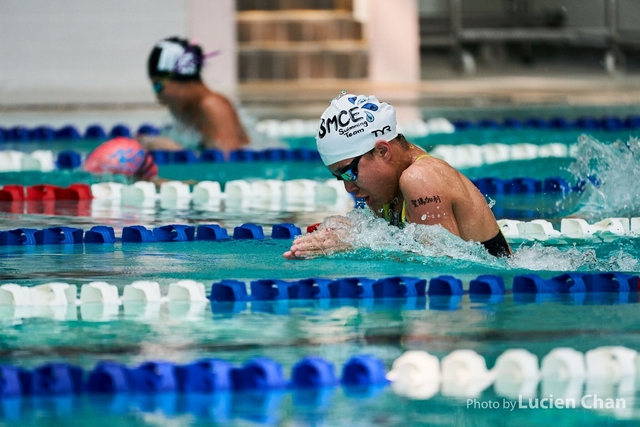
425, 200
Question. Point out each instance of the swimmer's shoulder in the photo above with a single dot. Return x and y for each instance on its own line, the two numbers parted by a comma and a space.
426, 172
216, 100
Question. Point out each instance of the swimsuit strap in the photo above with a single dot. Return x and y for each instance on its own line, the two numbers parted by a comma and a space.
385, 211
421, 157
389, 215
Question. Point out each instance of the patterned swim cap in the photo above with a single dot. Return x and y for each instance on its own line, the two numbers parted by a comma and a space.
123, 156
176, 59
352, 125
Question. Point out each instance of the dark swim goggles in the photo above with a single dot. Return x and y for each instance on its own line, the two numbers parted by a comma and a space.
158, 86
349, 172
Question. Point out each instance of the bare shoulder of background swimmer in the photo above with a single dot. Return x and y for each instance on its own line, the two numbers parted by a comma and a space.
436, 193
159, 143
220, 125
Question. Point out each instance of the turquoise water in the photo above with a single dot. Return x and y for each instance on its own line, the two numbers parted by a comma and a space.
336, 330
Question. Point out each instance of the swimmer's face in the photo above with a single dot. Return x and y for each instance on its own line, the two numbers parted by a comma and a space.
374, 182
165, 89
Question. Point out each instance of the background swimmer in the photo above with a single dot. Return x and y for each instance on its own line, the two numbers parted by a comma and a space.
205, 119
123, 156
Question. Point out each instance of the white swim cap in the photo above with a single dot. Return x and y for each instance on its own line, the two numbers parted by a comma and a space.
352, 125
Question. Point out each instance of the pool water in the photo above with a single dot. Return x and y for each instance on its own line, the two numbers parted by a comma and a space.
336, 329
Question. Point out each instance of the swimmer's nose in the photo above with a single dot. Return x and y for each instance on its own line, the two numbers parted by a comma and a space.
350, 186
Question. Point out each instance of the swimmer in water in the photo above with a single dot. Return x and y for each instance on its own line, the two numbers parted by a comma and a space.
359, 144
174, 68
122, 156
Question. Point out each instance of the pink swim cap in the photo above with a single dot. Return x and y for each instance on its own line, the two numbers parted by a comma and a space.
123, 156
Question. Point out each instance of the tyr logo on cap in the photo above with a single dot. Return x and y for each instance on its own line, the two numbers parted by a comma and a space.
382, 131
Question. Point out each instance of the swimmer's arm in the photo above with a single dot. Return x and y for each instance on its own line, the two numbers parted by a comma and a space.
429, 201
221, 128
158, 143
329, 238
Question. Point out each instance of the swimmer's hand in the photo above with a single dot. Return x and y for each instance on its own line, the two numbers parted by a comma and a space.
327, 239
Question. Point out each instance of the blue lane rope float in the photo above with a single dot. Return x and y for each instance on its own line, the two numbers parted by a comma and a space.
363, 371
525, 185
273, 289
606, 230
248, 231
228, 290
174, 233
148, 129
608, 123
211, 232
285, 231
42, 133
364, 288
120, 130
18, 237
487, 284
445, 285
67, 133
200, 376
205, 376
69, 160
95, 132
59, 235
137, 234
100, 234
313, 372
576, 283
141, 234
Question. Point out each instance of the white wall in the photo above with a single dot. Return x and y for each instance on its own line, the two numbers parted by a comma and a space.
95, 51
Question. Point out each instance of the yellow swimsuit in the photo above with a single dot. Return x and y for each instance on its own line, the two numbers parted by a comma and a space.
388, 212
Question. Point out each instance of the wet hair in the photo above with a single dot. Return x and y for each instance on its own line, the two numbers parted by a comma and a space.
402, 141
174, 58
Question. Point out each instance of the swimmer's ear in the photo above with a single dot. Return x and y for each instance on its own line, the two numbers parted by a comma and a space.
383, 148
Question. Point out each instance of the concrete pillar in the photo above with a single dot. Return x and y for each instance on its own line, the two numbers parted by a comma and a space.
393, 33
213, 25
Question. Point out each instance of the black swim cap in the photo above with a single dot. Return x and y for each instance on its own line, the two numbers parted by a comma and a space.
176, 59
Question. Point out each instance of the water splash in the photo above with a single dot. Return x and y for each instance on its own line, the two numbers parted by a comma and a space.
538, 257
549, 258
373, 239
610, 174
